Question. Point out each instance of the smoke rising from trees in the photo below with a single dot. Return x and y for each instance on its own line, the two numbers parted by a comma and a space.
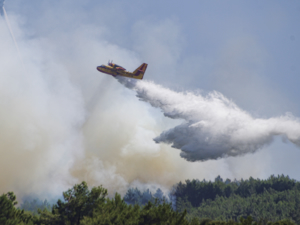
63, 122
214, 126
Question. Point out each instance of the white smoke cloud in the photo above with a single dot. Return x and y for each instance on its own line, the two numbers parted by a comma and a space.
41, 115
62, 122
214, 126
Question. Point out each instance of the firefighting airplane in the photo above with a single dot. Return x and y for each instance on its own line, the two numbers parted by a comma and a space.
116, 70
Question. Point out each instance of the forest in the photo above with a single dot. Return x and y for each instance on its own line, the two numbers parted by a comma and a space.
275, 200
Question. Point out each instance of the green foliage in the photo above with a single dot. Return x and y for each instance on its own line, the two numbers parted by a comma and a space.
161, 214
243, 221
274, 199
9, 215
34, 205
256, 186
114, 211
78, 203
81, 206
135, 196
196, 191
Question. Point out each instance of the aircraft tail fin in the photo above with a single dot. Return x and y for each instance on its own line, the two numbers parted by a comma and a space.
140, 71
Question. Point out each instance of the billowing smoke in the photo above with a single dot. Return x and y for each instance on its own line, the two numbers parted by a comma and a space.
62, 122
213, 126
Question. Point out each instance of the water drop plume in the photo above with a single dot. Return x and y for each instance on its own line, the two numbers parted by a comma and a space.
214, 126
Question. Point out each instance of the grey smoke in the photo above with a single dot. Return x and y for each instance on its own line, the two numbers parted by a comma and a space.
214, 126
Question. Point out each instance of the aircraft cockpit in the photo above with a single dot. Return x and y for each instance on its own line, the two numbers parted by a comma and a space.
116, 66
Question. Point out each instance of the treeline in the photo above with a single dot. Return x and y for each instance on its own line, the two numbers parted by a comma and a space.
276, 198
135, 196
272, 201
35, 205
86, 207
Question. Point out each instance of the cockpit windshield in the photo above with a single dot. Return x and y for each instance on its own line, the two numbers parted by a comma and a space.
119, 66
115, 65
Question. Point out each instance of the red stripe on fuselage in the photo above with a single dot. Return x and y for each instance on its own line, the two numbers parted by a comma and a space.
104, 72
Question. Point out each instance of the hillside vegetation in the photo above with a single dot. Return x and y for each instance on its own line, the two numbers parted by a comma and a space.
272, 201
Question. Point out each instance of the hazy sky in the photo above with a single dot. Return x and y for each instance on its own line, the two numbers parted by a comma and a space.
247, 50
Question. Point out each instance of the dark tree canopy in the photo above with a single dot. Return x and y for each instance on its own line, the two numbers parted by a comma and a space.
276, 198
246, 202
